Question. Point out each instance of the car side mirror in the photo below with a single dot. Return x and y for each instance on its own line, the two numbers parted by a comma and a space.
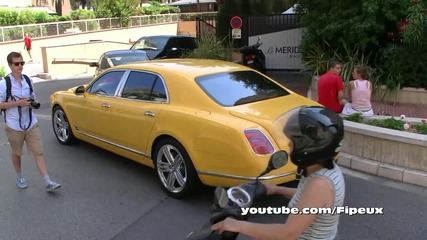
80, 90
94, 64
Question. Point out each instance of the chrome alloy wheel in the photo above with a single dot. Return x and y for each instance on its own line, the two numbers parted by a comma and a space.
61, 125
171, 168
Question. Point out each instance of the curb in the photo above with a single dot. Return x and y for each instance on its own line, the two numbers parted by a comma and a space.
400, 174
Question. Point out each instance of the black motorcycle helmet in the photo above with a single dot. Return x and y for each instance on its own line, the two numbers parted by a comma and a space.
316, 133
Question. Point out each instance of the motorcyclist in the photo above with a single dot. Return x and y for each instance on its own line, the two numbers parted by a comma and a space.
316, 135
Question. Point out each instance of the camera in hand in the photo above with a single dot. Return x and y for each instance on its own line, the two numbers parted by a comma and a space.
34, 104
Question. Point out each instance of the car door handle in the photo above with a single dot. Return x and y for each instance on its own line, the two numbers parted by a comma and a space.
105, 105
149, 113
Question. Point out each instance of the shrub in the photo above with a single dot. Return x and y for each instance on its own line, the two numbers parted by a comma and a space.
210, 48
2, 71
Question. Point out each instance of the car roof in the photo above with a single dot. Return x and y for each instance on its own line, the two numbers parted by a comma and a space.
191, 68
118, 53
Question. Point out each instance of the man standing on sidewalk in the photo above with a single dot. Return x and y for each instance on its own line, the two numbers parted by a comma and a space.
27, 45
21, 122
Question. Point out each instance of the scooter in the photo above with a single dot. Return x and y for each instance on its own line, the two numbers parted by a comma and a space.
254, 57
229, 203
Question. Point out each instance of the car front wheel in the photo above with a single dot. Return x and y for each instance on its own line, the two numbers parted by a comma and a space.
61, 126
175, 169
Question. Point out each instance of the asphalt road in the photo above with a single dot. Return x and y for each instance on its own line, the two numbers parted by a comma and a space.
104, 196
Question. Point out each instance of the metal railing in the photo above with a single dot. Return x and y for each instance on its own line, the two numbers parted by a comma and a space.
40, 30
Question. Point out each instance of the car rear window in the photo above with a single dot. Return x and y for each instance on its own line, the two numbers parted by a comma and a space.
240, 87
118, 60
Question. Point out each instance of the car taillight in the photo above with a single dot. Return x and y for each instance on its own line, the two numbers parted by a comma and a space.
259, 142
249, 57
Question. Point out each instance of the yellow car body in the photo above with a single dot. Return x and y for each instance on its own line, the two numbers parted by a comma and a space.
211, 136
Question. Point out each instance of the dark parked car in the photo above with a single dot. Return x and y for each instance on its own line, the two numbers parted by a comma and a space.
118, 57
165, 46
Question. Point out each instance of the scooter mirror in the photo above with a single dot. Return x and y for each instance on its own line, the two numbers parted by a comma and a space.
277, 160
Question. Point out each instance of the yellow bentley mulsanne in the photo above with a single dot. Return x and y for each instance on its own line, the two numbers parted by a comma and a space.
194, 121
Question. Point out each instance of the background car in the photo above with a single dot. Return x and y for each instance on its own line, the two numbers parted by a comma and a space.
117, 57
165, 46
193, 121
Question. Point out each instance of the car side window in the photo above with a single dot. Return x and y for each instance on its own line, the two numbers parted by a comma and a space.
144, 86
103, 65
187, 43
106, 84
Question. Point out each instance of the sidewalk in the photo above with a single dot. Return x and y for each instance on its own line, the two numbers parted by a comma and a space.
295, 82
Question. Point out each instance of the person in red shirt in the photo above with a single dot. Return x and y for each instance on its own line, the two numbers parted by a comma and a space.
27, 45
330, 88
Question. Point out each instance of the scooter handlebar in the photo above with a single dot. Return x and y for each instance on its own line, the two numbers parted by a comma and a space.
256, 189
207, 234
203, 234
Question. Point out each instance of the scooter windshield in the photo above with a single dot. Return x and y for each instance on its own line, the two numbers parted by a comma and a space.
282, 124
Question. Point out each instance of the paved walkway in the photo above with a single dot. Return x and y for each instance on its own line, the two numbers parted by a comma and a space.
295, 82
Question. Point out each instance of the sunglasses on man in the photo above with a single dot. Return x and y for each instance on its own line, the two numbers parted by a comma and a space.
18, 63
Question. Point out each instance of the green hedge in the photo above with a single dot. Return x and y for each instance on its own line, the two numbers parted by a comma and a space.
15, 17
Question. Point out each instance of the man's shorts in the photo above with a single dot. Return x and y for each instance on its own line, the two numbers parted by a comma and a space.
32, 138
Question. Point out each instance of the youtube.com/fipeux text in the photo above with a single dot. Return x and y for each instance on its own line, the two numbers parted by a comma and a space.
296, 211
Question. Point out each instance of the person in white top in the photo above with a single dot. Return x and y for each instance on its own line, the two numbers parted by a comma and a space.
360, 92
316, 136
21, 122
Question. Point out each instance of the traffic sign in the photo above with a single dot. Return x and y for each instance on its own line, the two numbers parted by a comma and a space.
236, 33
236, 22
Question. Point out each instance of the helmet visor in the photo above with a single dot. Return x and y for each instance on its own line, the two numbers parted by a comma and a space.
282, 124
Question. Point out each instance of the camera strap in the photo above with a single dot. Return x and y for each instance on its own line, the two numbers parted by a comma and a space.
20, 118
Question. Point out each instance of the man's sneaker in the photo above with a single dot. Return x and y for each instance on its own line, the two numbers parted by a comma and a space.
52, 186
21, 183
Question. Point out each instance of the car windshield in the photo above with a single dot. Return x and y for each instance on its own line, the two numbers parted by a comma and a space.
241, 87
151, 43
118, 60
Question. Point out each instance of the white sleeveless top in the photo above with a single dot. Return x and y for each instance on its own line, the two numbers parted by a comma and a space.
325, 226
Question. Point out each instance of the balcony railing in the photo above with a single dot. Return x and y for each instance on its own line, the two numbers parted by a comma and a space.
41, 30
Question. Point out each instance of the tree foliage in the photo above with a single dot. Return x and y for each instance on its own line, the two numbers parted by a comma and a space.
115, 8
385, 33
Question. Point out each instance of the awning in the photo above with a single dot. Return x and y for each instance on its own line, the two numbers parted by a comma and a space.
84, 61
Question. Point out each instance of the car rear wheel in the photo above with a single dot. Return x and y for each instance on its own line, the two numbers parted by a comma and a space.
174, 168
61, 126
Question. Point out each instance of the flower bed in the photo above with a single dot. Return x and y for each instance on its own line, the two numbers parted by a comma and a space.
380, 145
402, 124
